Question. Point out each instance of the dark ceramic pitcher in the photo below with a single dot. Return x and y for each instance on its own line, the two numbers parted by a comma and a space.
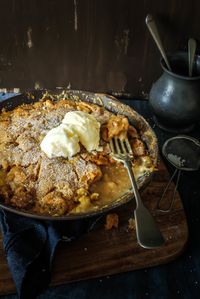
175, 97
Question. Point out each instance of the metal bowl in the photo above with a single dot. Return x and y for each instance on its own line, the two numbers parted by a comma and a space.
111, 104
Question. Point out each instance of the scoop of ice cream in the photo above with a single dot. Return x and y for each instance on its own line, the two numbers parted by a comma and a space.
61, 141
86, 127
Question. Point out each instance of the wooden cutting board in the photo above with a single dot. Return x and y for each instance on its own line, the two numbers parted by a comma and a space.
101, 253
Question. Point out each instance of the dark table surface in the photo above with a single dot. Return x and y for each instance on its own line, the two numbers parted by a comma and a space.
178, 279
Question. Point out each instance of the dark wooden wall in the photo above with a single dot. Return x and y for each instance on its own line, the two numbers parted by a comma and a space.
97, 45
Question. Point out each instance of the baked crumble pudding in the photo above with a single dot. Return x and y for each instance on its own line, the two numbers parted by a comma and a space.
32, 180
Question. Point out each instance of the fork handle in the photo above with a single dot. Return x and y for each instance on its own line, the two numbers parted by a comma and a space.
147, 231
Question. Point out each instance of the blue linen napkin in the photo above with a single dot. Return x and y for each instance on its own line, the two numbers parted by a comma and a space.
30, 245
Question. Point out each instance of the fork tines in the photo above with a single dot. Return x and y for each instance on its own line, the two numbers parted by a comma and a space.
120, 146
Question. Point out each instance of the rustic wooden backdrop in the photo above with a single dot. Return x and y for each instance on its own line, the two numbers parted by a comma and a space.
96, 45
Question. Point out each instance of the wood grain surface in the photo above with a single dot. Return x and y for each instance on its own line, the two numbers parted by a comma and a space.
90, 44
101, 253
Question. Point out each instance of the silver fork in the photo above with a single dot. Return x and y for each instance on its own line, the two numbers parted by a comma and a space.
148, 234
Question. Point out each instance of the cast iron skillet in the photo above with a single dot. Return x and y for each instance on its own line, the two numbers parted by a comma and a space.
110, 104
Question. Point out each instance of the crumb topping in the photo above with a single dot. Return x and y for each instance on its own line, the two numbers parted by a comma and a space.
29, 180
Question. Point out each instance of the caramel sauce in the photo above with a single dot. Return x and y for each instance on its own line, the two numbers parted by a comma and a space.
114, 183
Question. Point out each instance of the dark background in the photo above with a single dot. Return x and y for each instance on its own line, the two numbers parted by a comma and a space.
96, 45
